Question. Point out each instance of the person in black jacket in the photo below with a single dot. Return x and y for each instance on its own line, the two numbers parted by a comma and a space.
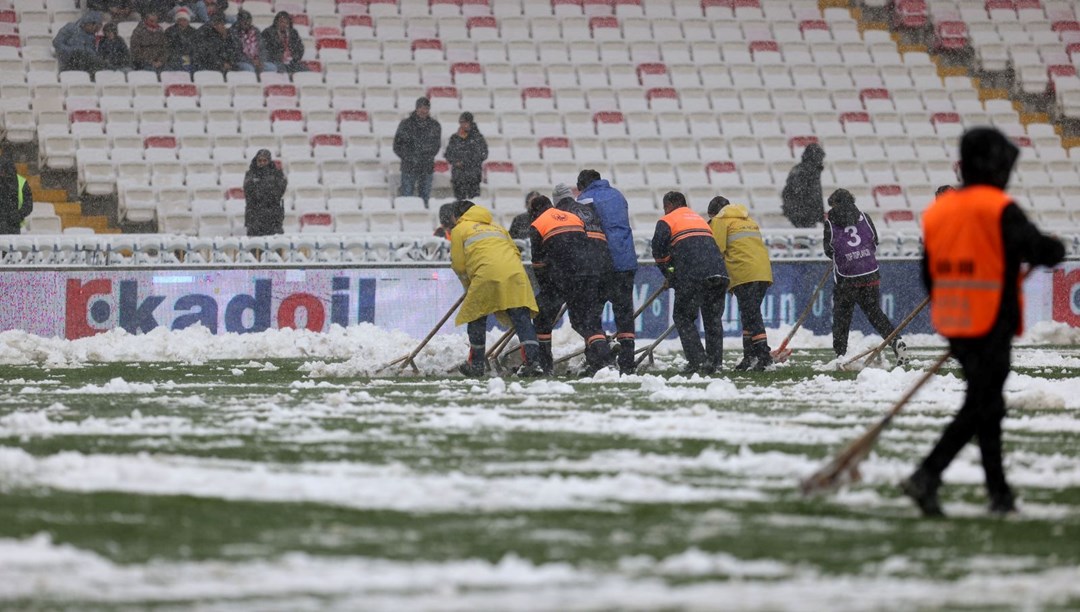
16, 197
566, 272
417, 142
519, 227
801, 197
283, 46
973, 235
684, 249
264, 188
182, 42
112, 49
466, 153
851, 240
216, 49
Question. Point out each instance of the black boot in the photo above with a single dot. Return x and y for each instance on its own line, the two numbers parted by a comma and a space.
532, 368
545, 359
922, 488
1002, 503
626, 356
476, 365
762, 357
597, 356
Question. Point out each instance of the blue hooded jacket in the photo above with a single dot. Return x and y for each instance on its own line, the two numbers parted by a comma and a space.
72, 38
615, 219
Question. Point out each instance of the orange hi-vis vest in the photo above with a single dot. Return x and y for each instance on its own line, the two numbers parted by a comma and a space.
966, 251
685, 223
553, 222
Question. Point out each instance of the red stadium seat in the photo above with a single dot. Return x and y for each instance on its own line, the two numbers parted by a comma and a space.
553, 142
319, 220
812, 24
853, 117
434, 93
464, 68
357, 21
796, 143
910, 14
186, 90
160, 142
717, 168
601, 22
481, 21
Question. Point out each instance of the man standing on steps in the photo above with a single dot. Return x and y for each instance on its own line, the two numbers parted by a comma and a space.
417, 142
684, 249
975, 238
619, 290
16, 197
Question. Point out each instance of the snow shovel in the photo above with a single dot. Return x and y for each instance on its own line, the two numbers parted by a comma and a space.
844, 467
875, 352
407, 360
500, 356
647, 352
649, 300
781, 353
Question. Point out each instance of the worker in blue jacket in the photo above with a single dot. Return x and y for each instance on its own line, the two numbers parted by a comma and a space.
618, 287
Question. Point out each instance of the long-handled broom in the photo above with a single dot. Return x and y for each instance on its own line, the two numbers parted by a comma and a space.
649, 300
407, 360
844, 467
872, 353
781, 353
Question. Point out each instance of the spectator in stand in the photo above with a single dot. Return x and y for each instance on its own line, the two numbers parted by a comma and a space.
162, 8
216, 49
76, 43
803, 204
249, 40
149, 44
417, 142
16, 198
118, 10
283, 45
519, 227
112, 50
466, 153
197, 9
264, 188
182, 41
218, 7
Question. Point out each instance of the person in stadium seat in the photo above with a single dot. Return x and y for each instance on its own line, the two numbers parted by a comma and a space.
801, 197
567, 271
975, 239
519, 227
117, 10
76, 43
264, 188
216, 49
851, 242
16, 197
183, 40
284, 48
747, 259
685, 250
112, 49
149, 44
196, 8
466, 153
488, 263
249, 40
417, 142
614, 214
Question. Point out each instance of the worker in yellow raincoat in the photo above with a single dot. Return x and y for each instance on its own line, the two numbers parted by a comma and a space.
489, 265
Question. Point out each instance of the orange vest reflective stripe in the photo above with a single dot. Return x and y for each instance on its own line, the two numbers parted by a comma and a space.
685, 223
553, 222
966, 251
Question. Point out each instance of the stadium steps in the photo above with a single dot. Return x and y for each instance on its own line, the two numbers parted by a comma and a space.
70, 213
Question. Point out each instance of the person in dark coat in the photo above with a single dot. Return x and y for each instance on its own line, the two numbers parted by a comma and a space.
801, 197
112, 49
975, 240
216, 50
519, 227
566, 272
16, 197
851, 242
264, 188
417, 142
76, 43
283, 46
466, 153
149, 44
614, 214
684, 249
183, 40
117, 10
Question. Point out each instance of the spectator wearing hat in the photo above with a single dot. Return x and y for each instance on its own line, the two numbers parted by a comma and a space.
182, 42
466, 153
250, 42
149, 44
217, 50
196, 8
417, 142
76, 43
112, 50
283, 46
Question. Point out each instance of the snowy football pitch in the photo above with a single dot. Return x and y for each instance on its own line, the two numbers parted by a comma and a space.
244, 478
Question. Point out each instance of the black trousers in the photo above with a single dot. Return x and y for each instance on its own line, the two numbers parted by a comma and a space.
750, 296
466, 189
985, 362
581, 294
845, 297
691, 299
618, 288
